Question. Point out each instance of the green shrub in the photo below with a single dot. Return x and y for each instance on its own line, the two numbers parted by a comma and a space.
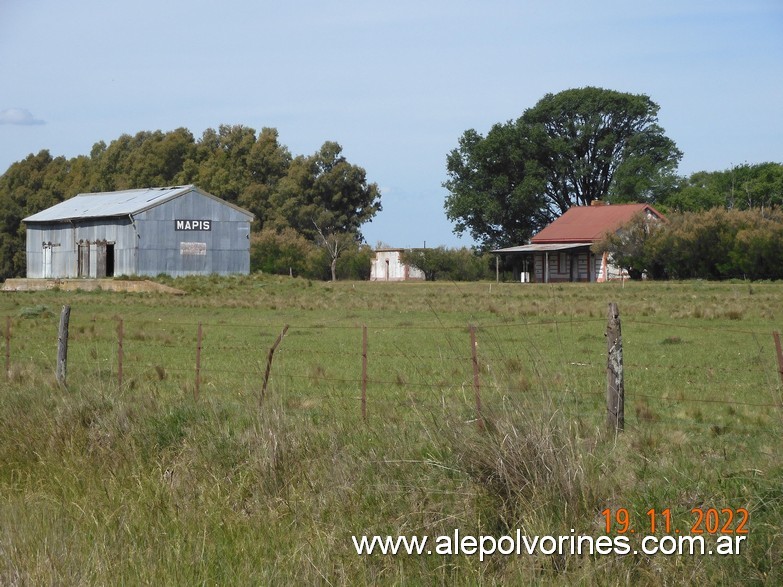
714, 244
281, 252
445, 264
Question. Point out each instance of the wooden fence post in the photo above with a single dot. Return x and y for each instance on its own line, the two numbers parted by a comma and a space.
615, 384
364, 372
779, 352
476, 385
62, 347
198, 363
8, 348
269, 364
120, 353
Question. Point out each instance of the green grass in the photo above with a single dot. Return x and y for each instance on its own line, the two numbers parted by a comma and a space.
102, 484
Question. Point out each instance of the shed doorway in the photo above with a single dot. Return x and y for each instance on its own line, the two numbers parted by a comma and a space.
110, 260
104, 265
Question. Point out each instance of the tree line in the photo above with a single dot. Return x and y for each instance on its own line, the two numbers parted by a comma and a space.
321, 198
588, 144
569, 149
712, 244
582, 145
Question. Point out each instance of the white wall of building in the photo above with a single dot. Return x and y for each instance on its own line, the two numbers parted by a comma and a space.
387, 265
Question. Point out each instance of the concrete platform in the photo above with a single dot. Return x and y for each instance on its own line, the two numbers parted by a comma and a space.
22, 284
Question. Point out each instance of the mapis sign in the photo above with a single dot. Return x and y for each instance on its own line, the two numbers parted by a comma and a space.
192, 225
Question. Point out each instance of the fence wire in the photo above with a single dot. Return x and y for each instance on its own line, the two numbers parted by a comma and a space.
673, 376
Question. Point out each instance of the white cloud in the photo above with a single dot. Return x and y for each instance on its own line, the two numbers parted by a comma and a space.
20, 116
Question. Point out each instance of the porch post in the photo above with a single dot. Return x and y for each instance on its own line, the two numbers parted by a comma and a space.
546, 266
572, 259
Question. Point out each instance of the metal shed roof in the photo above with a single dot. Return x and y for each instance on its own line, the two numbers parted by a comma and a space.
542, 247
115, 204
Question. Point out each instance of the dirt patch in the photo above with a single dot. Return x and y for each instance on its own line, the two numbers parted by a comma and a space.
89, 285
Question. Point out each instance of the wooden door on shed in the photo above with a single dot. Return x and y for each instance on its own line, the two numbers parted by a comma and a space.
47, 260
104, 259
83, 259
100, 259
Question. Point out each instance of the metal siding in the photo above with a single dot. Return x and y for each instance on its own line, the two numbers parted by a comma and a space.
63, 244
67, 236
227, 243
150, 245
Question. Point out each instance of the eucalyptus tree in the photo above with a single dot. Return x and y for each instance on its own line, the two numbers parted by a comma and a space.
569, 149
325, 198
742, 187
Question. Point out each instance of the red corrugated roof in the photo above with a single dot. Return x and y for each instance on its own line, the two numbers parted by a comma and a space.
590, 223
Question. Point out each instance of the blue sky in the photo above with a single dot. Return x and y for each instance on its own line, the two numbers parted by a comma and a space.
395, 83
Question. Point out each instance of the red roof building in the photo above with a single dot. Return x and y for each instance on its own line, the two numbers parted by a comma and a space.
561, 251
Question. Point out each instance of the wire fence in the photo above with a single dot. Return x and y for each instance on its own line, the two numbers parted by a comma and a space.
680, 375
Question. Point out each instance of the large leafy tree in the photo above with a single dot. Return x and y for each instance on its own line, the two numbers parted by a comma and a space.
267, 163
142, 160
240, 167
569, 149
324, 189
327, 199
496, 186
224, 161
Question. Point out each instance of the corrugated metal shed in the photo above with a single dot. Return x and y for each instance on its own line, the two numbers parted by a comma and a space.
178, 230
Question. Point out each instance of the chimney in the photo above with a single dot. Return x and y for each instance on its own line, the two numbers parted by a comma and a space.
598, 203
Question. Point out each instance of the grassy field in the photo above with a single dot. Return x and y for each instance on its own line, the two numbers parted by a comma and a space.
145, 483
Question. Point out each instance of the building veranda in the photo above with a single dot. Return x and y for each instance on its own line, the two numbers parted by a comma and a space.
562, 251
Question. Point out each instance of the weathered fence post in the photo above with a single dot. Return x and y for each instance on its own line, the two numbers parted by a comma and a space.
364, 372
198, 363
476, 385
269, 364
120, 353
62, 346
615, 384
779, 352
8, 348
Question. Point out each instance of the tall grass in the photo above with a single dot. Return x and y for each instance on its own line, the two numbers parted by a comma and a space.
100, 485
